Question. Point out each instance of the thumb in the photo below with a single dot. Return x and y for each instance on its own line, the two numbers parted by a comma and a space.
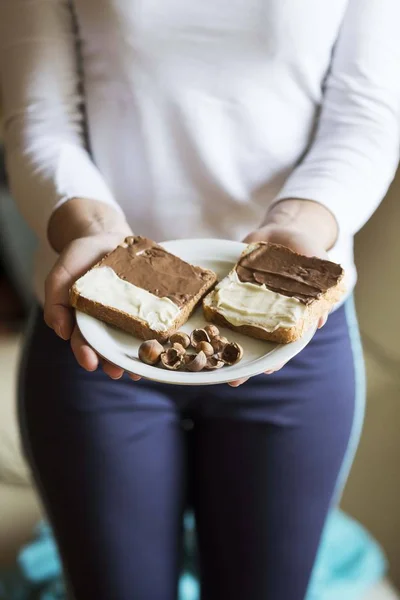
259, 235
57, 312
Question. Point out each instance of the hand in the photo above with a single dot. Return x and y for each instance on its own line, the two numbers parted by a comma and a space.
77, 256
305, 227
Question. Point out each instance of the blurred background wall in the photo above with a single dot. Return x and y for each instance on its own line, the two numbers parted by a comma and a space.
373, 491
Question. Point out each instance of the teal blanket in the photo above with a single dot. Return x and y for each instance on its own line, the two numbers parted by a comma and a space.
348, 564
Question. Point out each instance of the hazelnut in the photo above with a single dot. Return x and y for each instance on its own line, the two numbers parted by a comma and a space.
196, 362
188, 358
231, 353
150, 352
180, 338
179, 348
219, 342
172, 359
214, 362
197, 336
211, 330
206, 348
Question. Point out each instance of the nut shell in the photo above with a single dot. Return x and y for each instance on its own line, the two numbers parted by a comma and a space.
179, 348
150, 352
172, 359
232, 353
197, 336
196, 362
213, 363
180, 338
211, 330
219, 342
205, 347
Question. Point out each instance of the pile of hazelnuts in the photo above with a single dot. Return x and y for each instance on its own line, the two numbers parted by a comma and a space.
202, 349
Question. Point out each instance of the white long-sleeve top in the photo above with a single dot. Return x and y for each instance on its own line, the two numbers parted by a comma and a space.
195, 117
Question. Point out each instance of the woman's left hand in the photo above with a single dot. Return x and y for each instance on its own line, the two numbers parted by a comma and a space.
307, 228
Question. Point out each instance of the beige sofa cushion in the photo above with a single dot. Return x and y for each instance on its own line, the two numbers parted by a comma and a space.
12, 465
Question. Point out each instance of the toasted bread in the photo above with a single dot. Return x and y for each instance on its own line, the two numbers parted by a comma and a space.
141, 265
308, 309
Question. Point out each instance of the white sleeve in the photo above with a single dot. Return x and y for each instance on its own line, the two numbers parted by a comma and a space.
354, 154
47, 161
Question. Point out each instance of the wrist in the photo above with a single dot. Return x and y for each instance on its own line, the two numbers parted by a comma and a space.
306, 217
80, 217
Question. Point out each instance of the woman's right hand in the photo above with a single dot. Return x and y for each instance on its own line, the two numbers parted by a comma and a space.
76, 257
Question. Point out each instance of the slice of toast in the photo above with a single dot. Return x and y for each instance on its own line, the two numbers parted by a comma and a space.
142, 289
275, 294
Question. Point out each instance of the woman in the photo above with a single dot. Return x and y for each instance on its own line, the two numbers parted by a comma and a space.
256, 120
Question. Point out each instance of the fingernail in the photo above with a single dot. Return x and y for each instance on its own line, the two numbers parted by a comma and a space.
63, 334
135, 377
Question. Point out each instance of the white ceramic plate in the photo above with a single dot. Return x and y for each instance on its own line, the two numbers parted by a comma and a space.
122, 349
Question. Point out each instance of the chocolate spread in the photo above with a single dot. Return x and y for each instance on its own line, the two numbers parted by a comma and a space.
288, 273
143, 263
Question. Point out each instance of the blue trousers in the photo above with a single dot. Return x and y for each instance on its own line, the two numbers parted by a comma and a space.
118, 462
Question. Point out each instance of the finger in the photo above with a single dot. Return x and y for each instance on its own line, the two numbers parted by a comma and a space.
112, 370
237, 382
275, 369
322, 321
84, 354
254, 236
57, 313
134, 377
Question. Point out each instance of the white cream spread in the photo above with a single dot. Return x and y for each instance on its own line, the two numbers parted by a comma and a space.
103, 285
250, 304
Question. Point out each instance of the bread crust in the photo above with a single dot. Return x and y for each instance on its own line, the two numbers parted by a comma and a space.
282, 335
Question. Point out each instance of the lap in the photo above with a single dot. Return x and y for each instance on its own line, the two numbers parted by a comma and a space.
314, 395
